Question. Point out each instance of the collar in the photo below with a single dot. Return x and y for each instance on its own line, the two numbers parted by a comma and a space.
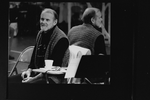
99, 29
88, 25
50, 30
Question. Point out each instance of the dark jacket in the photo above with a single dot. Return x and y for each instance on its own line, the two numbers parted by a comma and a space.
87, 36
57, 45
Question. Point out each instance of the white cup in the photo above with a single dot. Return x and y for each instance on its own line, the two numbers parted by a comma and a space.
48, 64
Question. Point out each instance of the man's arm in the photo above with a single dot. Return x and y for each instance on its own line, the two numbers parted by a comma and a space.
59, 51
100, 45
32, 65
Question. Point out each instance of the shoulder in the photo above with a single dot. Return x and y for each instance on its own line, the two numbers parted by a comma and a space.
75, 29
62, 43
58, 31
63, 40
96, 31
100, 37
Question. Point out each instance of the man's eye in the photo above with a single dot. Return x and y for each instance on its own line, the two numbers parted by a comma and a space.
42, 19
47, 20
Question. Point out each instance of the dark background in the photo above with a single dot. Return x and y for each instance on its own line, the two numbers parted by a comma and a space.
130, 62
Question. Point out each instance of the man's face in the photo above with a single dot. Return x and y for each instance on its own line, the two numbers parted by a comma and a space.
98, 20
47, 21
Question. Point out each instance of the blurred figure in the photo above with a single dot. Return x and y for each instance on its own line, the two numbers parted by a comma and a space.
10, 37
12, 26
13, 11
51, 43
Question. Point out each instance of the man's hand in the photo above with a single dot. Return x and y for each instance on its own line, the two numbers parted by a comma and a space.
32, 79
29, 79
26, 74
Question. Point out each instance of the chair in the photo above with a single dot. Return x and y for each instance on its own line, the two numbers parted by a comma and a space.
97, 69
24, 58
76, 53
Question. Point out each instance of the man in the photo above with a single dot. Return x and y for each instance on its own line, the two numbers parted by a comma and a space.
51, 43
88, 35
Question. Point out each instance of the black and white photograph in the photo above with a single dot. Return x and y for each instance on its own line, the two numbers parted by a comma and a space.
71, 50
59, 43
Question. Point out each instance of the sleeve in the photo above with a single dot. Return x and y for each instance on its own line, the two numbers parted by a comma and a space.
59, 51
32, 65
100, 45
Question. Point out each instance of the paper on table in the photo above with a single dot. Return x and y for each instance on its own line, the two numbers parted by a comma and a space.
53, 68
56, 72
43, 70
39, 70
76, 53
46, 69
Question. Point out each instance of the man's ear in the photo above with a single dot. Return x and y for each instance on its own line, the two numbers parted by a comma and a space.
92, 20
55, 22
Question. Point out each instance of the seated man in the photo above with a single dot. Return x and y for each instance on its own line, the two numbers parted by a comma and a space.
51, 43
88, 35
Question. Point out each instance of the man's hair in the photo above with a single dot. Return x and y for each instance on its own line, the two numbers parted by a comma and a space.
88, 14
48, 10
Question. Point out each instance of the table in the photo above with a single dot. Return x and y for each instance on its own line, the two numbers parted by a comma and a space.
60, 70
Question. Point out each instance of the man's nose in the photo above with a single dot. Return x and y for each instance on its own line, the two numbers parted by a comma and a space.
43, 21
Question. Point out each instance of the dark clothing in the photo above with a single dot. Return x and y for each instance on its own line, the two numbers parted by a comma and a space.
51, 45
87, 36
53, 49
18, 79
100, 45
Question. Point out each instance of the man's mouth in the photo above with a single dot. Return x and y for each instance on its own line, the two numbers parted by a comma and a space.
43, 25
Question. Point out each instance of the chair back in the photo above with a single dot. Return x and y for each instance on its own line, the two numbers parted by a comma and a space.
26, 54
76, 53
22, 61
